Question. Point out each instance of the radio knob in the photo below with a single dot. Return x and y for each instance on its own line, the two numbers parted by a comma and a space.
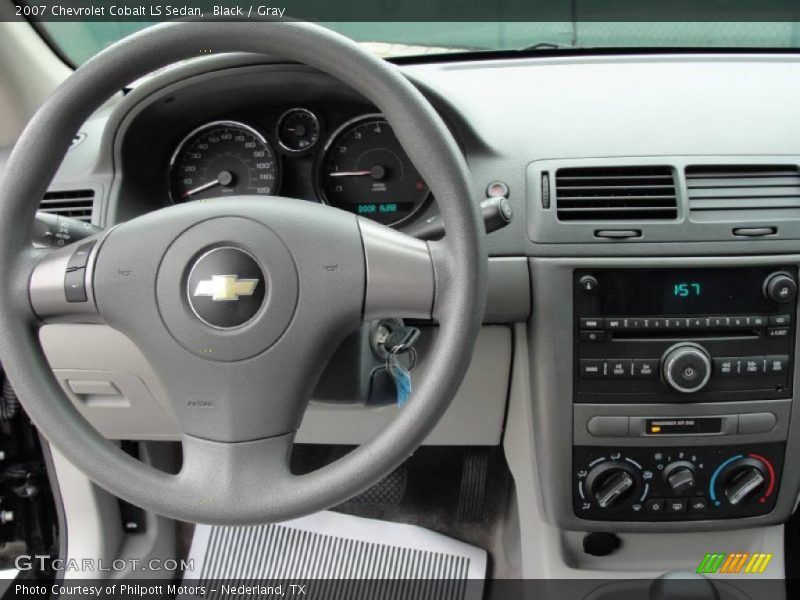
686, 367
588, 283
780, 287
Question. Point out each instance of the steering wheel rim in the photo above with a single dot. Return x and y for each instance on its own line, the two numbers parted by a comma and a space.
238, 480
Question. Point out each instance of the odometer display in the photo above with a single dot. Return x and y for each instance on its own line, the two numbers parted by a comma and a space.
223, 158
365, 171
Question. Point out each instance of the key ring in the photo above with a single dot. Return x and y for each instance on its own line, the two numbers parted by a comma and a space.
410, 351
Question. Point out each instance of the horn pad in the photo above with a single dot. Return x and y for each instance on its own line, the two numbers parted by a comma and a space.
227, 288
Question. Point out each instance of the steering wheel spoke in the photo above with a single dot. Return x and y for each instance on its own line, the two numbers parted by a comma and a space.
235, 402
61, 283
400, 274
244, 474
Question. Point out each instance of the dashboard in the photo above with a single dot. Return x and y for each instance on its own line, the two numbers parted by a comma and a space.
638, 356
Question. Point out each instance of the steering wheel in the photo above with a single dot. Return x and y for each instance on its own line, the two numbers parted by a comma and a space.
238, 303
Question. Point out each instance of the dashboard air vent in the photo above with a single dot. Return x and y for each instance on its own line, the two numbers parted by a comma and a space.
615, 193
69, 203
743, 187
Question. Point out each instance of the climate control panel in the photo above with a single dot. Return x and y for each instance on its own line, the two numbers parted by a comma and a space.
674, 483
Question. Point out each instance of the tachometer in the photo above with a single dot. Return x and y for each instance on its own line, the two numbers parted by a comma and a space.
364, 170
223, 158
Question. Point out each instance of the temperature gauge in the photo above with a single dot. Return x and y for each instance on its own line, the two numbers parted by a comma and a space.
298, 130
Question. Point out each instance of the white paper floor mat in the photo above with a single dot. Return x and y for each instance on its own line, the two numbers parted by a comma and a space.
334, 556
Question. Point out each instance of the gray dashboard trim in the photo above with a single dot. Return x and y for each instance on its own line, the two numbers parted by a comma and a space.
509, 294
98, 353
550, 336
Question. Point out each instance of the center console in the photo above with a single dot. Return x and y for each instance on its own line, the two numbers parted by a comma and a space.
663, 391
681, 391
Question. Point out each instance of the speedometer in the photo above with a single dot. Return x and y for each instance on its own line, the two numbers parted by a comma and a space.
365, 170
223, 158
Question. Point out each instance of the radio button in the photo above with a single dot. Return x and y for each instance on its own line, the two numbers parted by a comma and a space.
645, 368
592, 369
752, 365
778, 332
718, 322
776, 364
676, 323
592, 336
738, 322
635, 323
656, 323
614, 323
757, 321
726, 367
782, 320
620, 368
75, 285
699, 323
591, 323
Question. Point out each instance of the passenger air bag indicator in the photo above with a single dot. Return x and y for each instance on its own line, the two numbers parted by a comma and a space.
684, 426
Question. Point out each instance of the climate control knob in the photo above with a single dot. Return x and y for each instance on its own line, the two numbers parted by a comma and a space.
744, 481
680, 476
686, 367
612, 482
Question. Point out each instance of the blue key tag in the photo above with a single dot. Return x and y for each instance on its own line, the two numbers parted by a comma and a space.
402, 381
401, 343
401, 376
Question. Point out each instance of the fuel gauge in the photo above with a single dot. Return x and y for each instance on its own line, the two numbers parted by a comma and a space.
298, 130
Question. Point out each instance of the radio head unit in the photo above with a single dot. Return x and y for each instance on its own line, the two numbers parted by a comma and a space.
684, 335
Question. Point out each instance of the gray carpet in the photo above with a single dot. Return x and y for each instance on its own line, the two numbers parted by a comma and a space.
431, 498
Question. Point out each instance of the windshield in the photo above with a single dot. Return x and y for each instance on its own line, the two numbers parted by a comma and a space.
80, 40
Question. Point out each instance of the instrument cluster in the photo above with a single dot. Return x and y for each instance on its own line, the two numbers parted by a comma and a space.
358, 165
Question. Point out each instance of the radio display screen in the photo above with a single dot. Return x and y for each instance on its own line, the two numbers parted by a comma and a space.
642, 292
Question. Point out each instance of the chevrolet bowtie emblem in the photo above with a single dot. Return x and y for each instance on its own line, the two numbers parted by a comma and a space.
225, 288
